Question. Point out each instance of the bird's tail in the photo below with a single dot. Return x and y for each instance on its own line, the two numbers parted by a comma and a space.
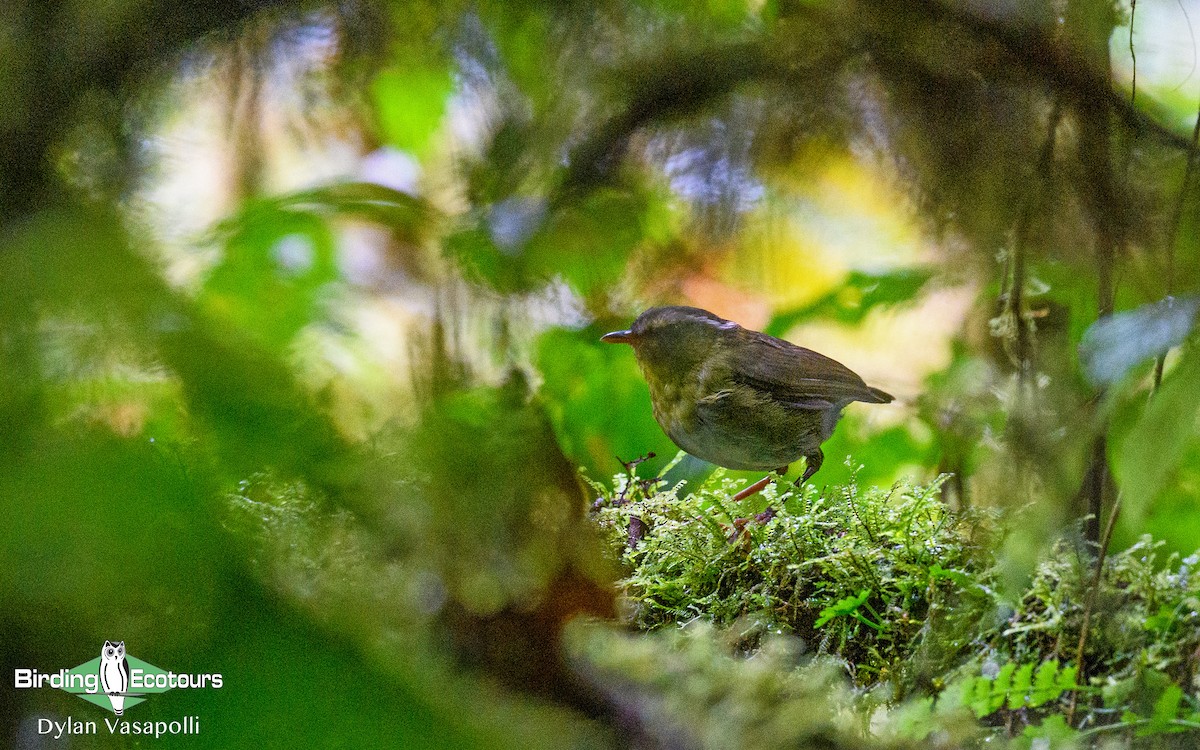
879, 396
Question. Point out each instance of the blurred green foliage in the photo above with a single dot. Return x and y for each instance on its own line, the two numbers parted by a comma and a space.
597, 401
172, 476
694, 687
859, 294
410, 102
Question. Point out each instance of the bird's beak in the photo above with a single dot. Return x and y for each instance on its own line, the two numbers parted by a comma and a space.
618, 337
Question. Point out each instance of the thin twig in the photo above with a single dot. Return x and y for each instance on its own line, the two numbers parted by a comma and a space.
1108, 213
1132, 54
1024, 354
1091, 601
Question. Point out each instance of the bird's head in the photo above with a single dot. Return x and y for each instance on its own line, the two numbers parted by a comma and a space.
673, 341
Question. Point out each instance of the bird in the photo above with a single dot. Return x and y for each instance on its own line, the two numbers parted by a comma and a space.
740, 398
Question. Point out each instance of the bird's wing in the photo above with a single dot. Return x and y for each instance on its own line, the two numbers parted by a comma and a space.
798, 376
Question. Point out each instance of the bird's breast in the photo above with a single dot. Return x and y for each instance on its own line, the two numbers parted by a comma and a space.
736, 427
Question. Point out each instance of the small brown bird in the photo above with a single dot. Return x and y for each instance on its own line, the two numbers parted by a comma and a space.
739, 398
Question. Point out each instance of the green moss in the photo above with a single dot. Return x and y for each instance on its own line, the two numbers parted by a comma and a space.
695, 687
1141, 659
882, 602
888, 579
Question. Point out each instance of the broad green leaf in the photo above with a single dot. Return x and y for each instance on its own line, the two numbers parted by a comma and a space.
588, 243
1166, 709
406, 216
275, 275
268, 654
515, 245
1148, 457
483, 262
597, 401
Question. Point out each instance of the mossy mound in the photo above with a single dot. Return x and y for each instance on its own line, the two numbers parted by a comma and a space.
885, 600
887, 579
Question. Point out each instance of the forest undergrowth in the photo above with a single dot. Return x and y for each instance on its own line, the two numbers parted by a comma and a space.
869, 616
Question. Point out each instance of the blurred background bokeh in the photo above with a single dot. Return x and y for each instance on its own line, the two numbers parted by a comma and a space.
300, 306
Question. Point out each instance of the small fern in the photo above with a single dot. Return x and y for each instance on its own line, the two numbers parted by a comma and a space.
1018, 686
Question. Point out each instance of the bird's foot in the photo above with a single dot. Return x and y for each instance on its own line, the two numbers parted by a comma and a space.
765, 516
740, 524
637, 531
812, 465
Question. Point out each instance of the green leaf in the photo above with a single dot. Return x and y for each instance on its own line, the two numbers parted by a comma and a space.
957, 576
1002, 687
1160, 622
1116, 693
516, 246
842, 607
860, 294
403, 214
483, 262
1150, 454
913, 719
597, 400
269, 652
273, 278
1022, 681
979, 699
1166, 709
1055, 730
410, 101
588, 243
1066, 678
523, 39
1045, 687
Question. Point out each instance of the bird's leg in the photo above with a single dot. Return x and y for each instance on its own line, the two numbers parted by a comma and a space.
739, 524
753, 489
812, 463
769, 512
757, 487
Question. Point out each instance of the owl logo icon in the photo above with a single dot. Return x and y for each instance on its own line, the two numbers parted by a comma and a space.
114, 674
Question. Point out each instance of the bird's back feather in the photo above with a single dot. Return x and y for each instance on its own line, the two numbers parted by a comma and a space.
799, 376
